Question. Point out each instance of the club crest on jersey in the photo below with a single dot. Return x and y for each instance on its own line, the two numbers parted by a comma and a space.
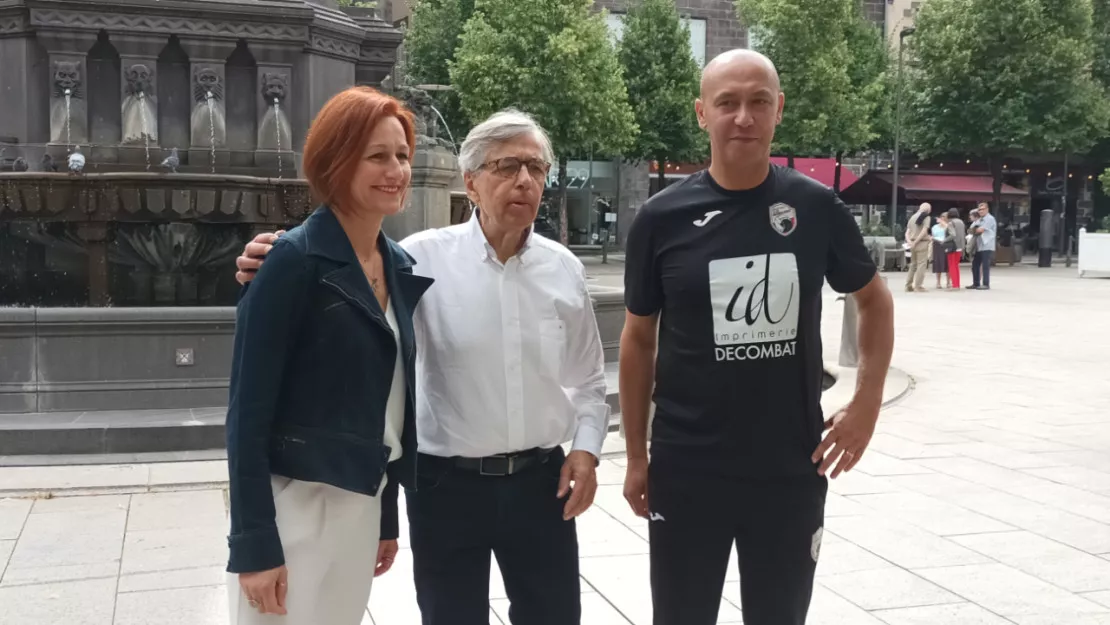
784, 219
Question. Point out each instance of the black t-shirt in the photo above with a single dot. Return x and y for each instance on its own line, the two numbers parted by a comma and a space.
736, 277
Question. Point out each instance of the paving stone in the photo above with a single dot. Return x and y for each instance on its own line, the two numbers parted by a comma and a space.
931, 514
167, 550
86, 602
889, 587
1056, 563
901, 543
174, 510
206, 605
13, 512
1009, 592
950, 614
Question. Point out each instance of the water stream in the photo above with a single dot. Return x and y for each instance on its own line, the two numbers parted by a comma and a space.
447, 128
277, 127
211, 129
146, 127
69, 116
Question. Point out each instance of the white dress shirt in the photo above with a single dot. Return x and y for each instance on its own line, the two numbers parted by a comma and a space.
508, 355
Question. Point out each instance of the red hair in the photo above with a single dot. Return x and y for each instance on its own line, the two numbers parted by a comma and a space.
338, 136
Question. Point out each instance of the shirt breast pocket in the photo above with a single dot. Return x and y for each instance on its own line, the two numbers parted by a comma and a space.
553, 339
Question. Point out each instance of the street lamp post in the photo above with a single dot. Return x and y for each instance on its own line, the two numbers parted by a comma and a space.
1064, 216
905, 32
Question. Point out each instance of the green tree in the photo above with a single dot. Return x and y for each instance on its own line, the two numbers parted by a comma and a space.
362, 4
430, 43
1100, 31
991, 78
872, 81
808, 41
663, 81
553, 59
1100, 69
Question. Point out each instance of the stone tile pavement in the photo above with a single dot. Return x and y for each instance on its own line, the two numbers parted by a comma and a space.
984, 499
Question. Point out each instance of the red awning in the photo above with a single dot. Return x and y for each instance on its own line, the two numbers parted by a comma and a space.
822, 170
874, 188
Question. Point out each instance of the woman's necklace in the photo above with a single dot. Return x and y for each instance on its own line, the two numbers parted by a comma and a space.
375, 281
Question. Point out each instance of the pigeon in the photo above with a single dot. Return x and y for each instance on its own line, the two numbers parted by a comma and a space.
172, 162
76, 161
48, 163
19, 164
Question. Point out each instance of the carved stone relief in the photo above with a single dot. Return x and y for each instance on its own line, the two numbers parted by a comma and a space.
139, 108
208, 123
68, 104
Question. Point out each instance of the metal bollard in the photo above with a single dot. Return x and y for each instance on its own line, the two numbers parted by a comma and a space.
849, 331
1047, 236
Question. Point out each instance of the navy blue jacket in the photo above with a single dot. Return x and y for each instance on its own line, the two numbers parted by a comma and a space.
313, 364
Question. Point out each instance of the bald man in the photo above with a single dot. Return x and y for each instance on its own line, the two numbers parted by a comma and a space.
723, 281
917, 237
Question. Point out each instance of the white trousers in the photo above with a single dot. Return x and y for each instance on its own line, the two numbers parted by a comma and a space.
330, 539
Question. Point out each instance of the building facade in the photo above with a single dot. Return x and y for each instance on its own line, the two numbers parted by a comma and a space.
900, 14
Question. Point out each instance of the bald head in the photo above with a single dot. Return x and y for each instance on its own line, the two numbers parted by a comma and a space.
748, 63
740, 105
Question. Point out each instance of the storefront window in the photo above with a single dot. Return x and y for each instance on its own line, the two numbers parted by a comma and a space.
590, 186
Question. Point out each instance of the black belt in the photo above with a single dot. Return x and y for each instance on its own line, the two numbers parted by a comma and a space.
504, 464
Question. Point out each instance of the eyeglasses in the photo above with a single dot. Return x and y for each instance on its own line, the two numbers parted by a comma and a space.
509, 167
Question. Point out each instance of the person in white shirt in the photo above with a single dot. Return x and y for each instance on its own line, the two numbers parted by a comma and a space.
509, 366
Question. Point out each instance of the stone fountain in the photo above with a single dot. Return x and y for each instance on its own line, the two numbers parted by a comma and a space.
228, 86
116, 282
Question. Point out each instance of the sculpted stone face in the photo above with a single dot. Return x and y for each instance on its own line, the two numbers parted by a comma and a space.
274, 86
67, 75
139, 79
208, 81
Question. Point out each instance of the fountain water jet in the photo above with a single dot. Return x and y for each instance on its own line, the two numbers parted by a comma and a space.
211, 129
69, 117
277, 127
146, 126
454, 146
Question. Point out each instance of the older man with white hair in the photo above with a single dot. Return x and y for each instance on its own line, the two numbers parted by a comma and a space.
510, 367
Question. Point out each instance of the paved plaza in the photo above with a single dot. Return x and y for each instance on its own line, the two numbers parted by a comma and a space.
983, 500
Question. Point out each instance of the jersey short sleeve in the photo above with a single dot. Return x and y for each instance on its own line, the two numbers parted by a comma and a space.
643, 286
850, 266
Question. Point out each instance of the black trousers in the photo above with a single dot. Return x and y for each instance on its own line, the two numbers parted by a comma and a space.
981, 263
775, 524
458, 518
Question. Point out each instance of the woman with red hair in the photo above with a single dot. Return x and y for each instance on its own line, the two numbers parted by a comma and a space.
320, 423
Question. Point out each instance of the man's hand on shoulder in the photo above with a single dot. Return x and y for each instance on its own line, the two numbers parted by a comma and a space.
580, 467
253, 255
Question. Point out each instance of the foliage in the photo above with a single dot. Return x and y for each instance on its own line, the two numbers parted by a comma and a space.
808, 41
1100, 31
1105, 179
362, 4
663, 81
554, 60
992, 77
1099, 155
872, 76
430, 43
876, 228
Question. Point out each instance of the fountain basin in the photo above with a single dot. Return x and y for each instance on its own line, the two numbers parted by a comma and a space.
96, 359
146, 196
